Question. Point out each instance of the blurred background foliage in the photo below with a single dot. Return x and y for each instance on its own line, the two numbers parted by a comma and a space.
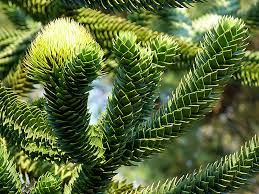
233, 121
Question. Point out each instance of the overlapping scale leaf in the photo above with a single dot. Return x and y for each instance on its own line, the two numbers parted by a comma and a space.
49, 9
92, 180
83, 69
130, 5
69, 114
12, 48
42, 60
164, 51
70, 123
142, 17
129, 89
15, 37
160, 187
27, 120
249, 72
122, 110
19, 81
16, 138
135, 85
27, 127
38, 9
197, 93
8, 36
105, 28
9, 179
47, 184
67, 69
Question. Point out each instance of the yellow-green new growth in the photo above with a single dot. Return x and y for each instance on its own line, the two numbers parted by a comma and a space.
67, 39
67, 68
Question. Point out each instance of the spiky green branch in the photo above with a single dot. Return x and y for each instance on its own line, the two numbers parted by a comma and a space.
51, 9
135, 89
105, 28
9, 180
26, 126
67, 70
13, 46
226, 175
40, 10
131, 5
19, 81
47, 184
222, 49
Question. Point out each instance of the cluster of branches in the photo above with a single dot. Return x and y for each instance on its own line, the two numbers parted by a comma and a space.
65, 45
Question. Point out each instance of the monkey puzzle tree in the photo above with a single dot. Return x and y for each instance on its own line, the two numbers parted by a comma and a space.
64, 46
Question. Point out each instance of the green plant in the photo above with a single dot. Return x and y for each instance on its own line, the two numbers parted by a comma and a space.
66, 50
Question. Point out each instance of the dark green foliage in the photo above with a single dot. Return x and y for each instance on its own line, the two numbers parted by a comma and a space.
50, 9
130, 5
12, 48
17, 17
15, 39
164, 52
125, 105
66, 56
18, 80
66, 77
130, 103
198, 91
40, 10
9, 180
47, 184
104, 28
26, 126
14, 111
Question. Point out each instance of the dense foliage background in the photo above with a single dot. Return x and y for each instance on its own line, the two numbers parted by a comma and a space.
234, 120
